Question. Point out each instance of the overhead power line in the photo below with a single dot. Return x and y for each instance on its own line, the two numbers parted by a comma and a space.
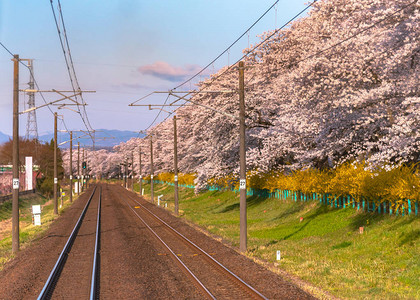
256, 47
316, 53
353, 35
6, 48
65, 46
245, 55
35, 81
228, 48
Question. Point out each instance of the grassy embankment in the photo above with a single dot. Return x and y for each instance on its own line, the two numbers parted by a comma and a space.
325, 248
28, 232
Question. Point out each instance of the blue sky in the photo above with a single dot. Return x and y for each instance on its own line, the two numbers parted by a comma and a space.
123, 50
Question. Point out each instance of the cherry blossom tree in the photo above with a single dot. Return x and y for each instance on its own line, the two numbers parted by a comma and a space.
338, 85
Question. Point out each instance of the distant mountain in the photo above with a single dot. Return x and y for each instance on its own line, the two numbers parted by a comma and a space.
4, 138
105, 138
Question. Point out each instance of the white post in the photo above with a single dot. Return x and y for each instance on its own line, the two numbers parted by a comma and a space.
29, 173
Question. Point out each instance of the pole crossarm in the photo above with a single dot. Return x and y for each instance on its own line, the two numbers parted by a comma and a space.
144, 97
73, 139
203, 105
52, 91
87, 134
197, 92
55, 101
180, 92
63, 106
155, 105
187, 93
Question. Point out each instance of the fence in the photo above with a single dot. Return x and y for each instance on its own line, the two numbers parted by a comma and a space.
21, 193
384, 207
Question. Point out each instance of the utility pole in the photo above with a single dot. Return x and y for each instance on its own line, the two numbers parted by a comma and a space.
71, 167
15, 195
83, 169
87, 173
125, 172
132, 171
78, 168
55, 166
140, 175
175, 169
242, 163
151, 170
122, 174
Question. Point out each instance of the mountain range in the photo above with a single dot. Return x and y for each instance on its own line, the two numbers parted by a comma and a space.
105, 138
3, 137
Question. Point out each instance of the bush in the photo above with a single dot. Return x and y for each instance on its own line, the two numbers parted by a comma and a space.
46, 186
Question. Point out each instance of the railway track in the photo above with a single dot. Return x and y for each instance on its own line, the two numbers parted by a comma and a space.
214, 280
79, 258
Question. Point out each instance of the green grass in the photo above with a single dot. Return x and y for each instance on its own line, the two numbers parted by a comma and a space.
325, 248
28, 232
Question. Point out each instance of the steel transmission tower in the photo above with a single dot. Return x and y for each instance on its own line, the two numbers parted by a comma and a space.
31, 126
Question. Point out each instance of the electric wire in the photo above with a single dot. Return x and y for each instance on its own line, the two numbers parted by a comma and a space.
330, 47
248, 53
157, 116
311, 56
255, 47
352, 36
206, 85
31, 73
70, 66
228, 48
35, 82
6, 49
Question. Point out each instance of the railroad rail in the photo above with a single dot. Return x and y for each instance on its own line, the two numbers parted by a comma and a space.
54, 276
251, 292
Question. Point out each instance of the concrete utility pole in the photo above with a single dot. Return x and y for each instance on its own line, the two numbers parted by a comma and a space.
242, 163
71, 167
151, 170
83, 170
125, 172
78, 168
140, 174
175, 169
55, 166
132, 171
15, 193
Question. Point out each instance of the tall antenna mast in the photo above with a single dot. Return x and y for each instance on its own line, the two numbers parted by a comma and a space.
31, 125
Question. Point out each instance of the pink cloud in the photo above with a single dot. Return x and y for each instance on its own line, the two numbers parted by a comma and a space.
163, 70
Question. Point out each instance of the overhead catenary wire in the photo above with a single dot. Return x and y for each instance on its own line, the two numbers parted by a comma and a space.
70, 66
6, 48
312, 55
229, 47
206, 85
256, 47
330, 47
71, 63
352, 36
157, 116
35, 81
